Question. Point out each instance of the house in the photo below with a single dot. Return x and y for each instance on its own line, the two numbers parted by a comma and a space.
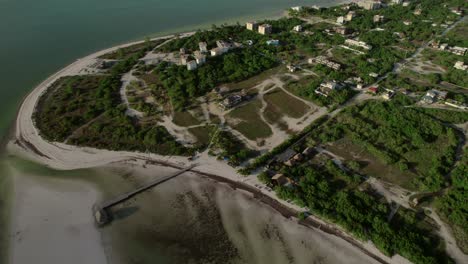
340, 20
290, 162
265, 29
406, 3
343, 31
232, 101
223, 44
273, 42
182, 51
433, 96
291, 68
359, 86
253, 26
203, 47
280, 179
460, 65
369, 4
298, 157
326, 88
407, 22
458, 50
457, 10
417, 11
298, 28
362, 44
388, 94
350, 15
373, 90
443, 46
378, 18
192, 65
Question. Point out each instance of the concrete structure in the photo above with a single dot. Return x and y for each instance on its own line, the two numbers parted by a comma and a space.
326, 88
203, 47
217, 51
460, 65
297, 8
324, 61
192, 65
232, 101
252, 26
397, 2
200, 57
350, 15
298, 28
433, 96
352, 42
265, 29
379, 18
340, 20
183, 59
343, 31
458, 50
370, 4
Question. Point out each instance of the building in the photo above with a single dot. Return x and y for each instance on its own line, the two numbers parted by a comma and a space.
350, 15
443, 46
297, 8
461, 66
183, 59
232, 101
407, 23
200, 57
273, 42
373, 90
369, 4
252, 26
379, 19
352, 42
223, 44
343, 31
308, 151
324, 61
298, 28
217, 51
388, 94
417, 11
265, 29
326, 88
373, 75
203, 47
182, 51
433, 96
280, 179
340, 20
457, 10
192, 65
406, 3
458, 50
397, 2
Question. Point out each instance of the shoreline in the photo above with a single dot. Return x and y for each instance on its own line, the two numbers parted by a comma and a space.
28, 142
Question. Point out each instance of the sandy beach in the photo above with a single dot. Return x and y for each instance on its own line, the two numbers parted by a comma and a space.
28, 143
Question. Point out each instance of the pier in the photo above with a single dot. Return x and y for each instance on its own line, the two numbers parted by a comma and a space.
100, 211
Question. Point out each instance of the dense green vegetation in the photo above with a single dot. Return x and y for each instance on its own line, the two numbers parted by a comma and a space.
227, 146
329, 192
182, 85
399, 136
454, 117
454, 205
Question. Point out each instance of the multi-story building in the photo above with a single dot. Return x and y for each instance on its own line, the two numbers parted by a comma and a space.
265, 29
252, 26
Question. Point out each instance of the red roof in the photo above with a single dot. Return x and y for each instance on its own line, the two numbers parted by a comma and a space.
373, 89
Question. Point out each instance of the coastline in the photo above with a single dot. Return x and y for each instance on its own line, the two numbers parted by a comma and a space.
30, 144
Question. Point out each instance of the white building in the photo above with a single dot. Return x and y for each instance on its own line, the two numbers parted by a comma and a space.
265, 29
350, 15
192, 65
352, 42
460, 65
297, 8
252, 26
298, 28
340, 20
397, 2
203, 47
183, 59
378, 18
217, 51
200, 58
458, 50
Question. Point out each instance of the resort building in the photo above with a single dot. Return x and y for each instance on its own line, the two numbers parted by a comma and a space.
252, 26
203, 47
192, 65
370, 4
265, 29
352, 42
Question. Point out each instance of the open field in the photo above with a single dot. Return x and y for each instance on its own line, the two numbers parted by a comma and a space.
185, 119
246, 119
286, 104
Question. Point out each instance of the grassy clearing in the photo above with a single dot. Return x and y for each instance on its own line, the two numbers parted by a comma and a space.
250, 125
251, 82
203, 134
287, 104
127, 52
185, 119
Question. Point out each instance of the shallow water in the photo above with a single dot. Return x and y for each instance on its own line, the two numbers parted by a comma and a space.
188, 219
